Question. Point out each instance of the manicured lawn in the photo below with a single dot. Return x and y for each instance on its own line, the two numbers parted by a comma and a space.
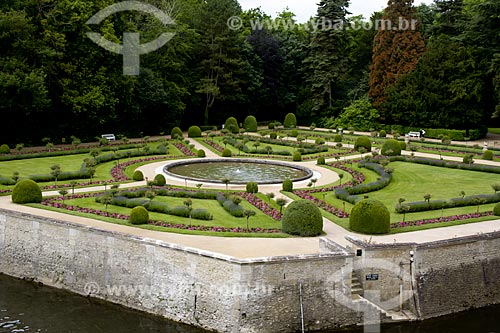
494, 130
413, 181
221, 217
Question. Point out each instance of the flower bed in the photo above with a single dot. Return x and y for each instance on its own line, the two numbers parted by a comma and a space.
261, 205
440, 220
184, 149
56, 202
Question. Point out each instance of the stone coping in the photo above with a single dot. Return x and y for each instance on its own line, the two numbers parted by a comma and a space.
239, 160
188, 250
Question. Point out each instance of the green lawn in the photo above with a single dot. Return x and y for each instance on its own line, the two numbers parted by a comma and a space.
221, 217
413, 181
494, 130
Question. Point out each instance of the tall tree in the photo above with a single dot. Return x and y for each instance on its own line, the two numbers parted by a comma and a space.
396, 51
327, 57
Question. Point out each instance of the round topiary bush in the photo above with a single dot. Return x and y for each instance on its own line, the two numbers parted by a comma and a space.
382, 134
227, 153
488, 155
320, 141
290, 121
231, 125
4, 149
252, 187
26, 191
250, 124
321, 161
271, 126
303, 218
139, 215
138, 176
294, 133
363, 141
287, 185
194, 132
402, 145
496, 209
297, 156
160, 180
201, 153
370, 217
391, 148
338, 138
273, 135
176, 133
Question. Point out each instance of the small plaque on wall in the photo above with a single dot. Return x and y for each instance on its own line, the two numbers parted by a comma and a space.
371, 277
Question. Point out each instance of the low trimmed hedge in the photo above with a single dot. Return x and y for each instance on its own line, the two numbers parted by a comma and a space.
228, 204
423, 206
445, 164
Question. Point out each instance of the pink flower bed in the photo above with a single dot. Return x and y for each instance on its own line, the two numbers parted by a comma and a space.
184, 149
214, 145
261, 205
440, 220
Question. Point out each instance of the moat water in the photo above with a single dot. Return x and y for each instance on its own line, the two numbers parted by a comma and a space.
28, 307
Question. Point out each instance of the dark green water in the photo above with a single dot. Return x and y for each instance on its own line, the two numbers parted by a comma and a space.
27, 307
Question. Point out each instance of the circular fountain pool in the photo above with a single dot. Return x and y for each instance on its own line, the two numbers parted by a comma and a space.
237, 171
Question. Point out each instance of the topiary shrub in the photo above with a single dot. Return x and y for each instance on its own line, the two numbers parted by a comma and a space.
321, 161
201, 153
320, 141
290, 121
496, 209
194, 132
382, 134
391, 148
176, 133
294, 133
303, 218
26, 191
252, 187
139, 215
138, 176
271, 126
273, 135
160, 180
297, 156
488, 155
287, 185
227, 153
231, 125
370, 217
402, 145
250, 124
4, 149
338, 138
363, 141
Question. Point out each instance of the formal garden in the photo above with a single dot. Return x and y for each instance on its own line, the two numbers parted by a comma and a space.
383, 185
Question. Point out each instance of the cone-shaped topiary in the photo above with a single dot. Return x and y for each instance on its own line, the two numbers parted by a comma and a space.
139, 215
363, 141
26, 191
370, 217
250, 124
194, 132
176, 133
287, 185
138, 176
290, 121
231, 125
391, 148
160, 180
303, 218
496, 209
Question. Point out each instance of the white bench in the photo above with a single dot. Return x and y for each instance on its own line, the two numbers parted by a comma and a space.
109, 137
414, 134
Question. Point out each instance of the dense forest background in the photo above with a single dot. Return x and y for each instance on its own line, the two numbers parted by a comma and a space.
55, 82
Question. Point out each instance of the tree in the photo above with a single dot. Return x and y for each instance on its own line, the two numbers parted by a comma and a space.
189, 205
396, 52
281, 202
360, 115
249, 213
496, 187
269, 196
226, 181
55, 172
107, 199
63, 193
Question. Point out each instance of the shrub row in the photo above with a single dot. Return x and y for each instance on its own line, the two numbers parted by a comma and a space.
350, 194
445, 164
159, 207
455, 135
6, 181
423, 206
204, 195
228, 204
